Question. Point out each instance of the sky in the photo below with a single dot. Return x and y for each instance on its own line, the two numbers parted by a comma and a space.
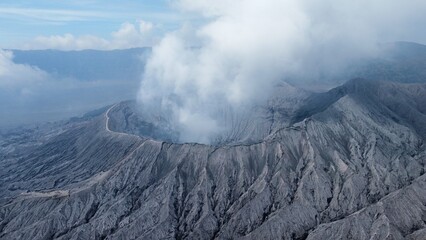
26, 24
111, 24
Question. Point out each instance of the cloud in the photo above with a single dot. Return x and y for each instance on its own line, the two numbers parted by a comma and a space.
29, 95
131, 35
17, 84
68, 42
14, 76
51, 15
246, 46
127, 36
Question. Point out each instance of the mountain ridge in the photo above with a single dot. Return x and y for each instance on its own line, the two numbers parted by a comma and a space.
309, 179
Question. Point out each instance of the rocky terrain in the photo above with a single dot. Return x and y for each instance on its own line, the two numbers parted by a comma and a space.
344, 164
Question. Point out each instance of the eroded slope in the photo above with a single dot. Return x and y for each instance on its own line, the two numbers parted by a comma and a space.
356, 164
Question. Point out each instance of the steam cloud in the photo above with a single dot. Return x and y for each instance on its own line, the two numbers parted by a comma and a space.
244, 47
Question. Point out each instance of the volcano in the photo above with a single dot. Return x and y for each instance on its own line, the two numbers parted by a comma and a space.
348, 163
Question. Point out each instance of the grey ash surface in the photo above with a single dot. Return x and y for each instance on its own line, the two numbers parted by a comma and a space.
345, 164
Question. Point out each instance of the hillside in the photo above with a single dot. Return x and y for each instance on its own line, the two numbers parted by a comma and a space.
348, 163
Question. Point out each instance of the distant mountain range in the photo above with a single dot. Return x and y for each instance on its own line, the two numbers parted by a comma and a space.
403, 62
87, 65
399, 62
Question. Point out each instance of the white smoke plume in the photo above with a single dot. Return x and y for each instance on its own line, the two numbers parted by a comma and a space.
243, 47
